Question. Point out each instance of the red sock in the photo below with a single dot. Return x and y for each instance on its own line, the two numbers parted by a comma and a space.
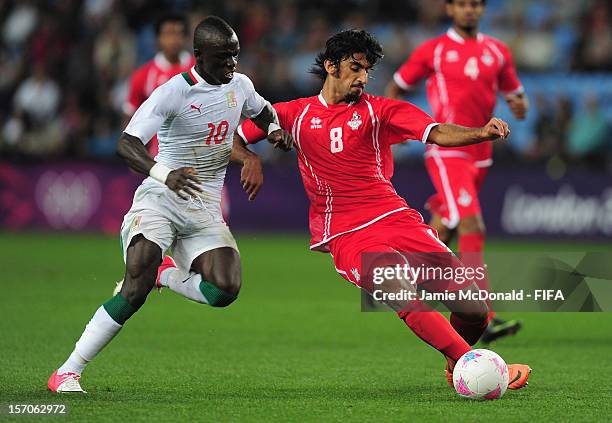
471, 331
471, 247
433, 328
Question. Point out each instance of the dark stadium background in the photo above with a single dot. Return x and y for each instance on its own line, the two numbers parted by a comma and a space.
294, 346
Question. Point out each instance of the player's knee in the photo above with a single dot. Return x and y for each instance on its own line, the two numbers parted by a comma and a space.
472, 225
477, 312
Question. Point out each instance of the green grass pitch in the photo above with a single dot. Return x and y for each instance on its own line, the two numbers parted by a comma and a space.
294, 347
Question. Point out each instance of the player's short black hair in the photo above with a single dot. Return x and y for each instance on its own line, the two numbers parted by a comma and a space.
345, 44
170, 17
211, 27
450, 1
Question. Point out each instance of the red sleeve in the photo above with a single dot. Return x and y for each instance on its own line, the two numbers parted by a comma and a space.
251, 134
136, 92
402, 121
418, 66
508, 80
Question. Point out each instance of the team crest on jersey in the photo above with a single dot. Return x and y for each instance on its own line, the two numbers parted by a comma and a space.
355, 121
315, 123
452, 56
231, 99
487, 59
465, 199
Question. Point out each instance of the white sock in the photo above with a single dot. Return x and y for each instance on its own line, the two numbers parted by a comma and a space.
185, 284
98, 333
74, 364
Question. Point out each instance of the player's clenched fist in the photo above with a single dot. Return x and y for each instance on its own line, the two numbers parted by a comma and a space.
184, 180
496, 128
281, 139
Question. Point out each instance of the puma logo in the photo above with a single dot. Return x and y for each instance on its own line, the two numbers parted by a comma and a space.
194, 107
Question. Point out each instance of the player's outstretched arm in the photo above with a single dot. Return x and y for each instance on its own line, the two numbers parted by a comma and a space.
518, 104
251, 175
182, 181
267, 121
450, 135
394, 91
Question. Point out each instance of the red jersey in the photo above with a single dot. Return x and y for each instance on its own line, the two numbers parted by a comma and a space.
151, 75
344, 157
463, 78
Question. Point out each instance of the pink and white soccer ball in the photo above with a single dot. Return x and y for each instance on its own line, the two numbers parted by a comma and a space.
480, 374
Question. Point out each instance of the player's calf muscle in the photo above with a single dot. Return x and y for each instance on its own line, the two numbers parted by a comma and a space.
221, 275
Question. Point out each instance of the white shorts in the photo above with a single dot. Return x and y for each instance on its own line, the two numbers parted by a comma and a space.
164, 218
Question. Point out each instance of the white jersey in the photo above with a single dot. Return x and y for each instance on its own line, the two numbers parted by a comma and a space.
195, 123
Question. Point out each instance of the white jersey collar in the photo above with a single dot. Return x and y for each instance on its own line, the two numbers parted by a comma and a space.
322, 100
454, 35
163, 63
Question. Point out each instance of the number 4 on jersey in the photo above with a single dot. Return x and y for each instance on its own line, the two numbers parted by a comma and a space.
471, 68
221, 132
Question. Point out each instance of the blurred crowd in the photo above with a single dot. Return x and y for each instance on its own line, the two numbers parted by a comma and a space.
65, 64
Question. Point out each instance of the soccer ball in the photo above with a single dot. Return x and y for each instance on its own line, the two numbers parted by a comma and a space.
480, 374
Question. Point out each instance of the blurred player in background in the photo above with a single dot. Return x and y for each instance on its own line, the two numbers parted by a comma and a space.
343, 139
465, 70
194, 115
171, 59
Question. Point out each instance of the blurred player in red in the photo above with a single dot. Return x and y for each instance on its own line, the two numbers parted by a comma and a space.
171, 59
172, 31
465, 70
343, 140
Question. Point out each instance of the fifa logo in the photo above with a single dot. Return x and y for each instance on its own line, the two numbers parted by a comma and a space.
231, 100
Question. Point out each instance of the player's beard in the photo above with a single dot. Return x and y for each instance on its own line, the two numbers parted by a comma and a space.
353, 96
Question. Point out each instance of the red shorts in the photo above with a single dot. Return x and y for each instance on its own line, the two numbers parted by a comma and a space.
457, 181
392, 237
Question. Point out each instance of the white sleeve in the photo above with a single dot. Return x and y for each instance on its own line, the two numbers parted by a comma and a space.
164, 102
254, 103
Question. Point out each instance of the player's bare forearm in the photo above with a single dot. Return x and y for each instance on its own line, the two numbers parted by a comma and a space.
251, 175
135, 154
518, 104
183, 181
450, 135
394, 91
240, 152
